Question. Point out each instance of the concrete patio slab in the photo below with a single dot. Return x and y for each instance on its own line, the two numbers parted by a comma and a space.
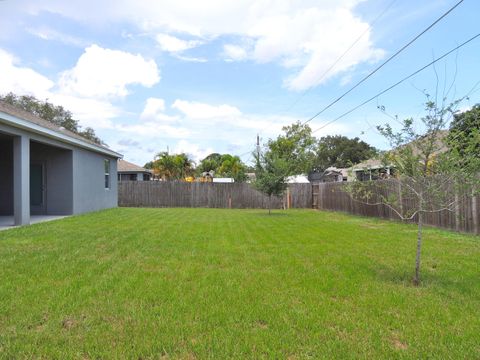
7, 222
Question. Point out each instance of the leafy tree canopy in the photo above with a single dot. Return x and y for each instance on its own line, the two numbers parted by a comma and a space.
342, 152
463, 129
173, 167
271, 174
53, 113
224, 165
296, 147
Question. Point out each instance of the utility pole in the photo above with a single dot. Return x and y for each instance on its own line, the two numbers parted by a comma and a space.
258, 147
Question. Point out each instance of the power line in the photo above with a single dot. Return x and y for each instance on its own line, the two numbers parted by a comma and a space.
397, 83
384, 63
332, 66
326, 72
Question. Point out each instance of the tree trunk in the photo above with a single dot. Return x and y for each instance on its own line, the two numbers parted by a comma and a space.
416, 279
270, 204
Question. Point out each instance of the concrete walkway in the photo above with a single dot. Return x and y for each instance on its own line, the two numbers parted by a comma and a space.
7, 222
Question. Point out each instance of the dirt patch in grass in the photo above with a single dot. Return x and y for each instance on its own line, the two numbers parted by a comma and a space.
397, 343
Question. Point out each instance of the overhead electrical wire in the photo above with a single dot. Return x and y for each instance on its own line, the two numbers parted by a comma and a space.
370, 74
397, 83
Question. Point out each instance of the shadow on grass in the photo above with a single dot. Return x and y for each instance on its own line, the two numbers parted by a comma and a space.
273, 214
428, 279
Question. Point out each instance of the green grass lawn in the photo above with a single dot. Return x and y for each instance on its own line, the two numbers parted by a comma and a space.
207, 283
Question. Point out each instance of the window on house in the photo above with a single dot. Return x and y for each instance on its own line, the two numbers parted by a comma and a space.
106, 164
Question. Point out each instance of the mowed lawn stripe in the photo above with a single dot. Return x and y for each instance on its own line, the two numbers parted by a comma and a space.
218, 283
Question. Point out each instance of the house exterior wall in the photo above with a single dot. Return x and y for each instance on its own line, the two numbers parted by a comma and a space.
75, 176
58, 177
6, 176
89, 192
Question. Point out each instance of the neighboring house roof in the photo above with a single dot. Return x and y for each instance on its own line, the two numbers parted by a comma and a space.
370, 164
16, 117
342, 171
125, 166
373, 164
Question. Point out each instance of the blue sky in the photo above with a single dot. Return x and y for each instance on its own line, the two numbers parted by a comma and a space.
202, 77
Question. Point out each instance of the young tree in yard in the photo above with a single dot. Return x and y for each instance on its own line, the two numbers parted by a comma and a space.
270, 175
55, 114
428, 177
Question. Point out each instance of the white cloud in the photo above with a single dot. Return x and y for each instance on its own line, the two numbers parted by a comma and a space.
152, 129
234, 52
195, 151
47, 33
22, 80
173, 44
155, 110
190, 58
97, 114
106, 73
197, 110
305, 36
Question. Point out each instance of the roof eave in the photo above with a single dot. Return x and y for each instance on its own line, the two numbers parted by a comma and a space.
32, 127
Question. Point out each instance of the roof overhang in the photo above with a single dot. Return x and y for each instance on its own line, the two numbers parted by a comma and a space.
37, 129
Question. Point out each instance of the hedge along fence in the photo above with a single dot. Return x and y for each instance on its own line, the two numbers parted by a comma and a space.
208, 195
465, 217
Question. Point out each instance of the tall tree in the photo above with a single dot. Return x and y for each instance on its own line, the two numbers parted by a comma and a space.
224, 165
296, 147
463, 128
172, 167
55, 114
211, 163
232, 167
342, 152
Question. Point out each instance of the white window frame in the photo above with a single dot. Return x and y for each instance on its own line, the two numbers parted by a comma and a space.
107, 178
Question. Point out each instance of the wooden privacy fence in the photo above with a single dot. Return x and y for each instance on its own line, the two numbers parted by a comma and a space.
208, 195
465, 217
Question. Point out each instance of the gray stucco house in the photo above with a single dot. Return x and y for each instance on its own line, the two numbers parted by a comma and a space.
47, 170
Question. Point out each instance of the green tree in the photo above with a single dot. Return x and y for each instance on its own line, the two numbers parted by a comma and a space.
225, 165
232, 167
173, 167
341, 152
296, 147
149, 165
211, 163
463, 130
53, 113
428, 177
270, 175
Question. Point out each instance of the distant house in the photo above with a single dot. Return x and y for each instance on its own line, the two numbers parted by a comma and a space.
376, 169
372, 169
128, 171
47, 170
331, 174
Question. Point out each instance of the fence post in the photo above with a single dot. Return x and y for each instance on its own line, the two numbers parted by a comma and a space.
288, 197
